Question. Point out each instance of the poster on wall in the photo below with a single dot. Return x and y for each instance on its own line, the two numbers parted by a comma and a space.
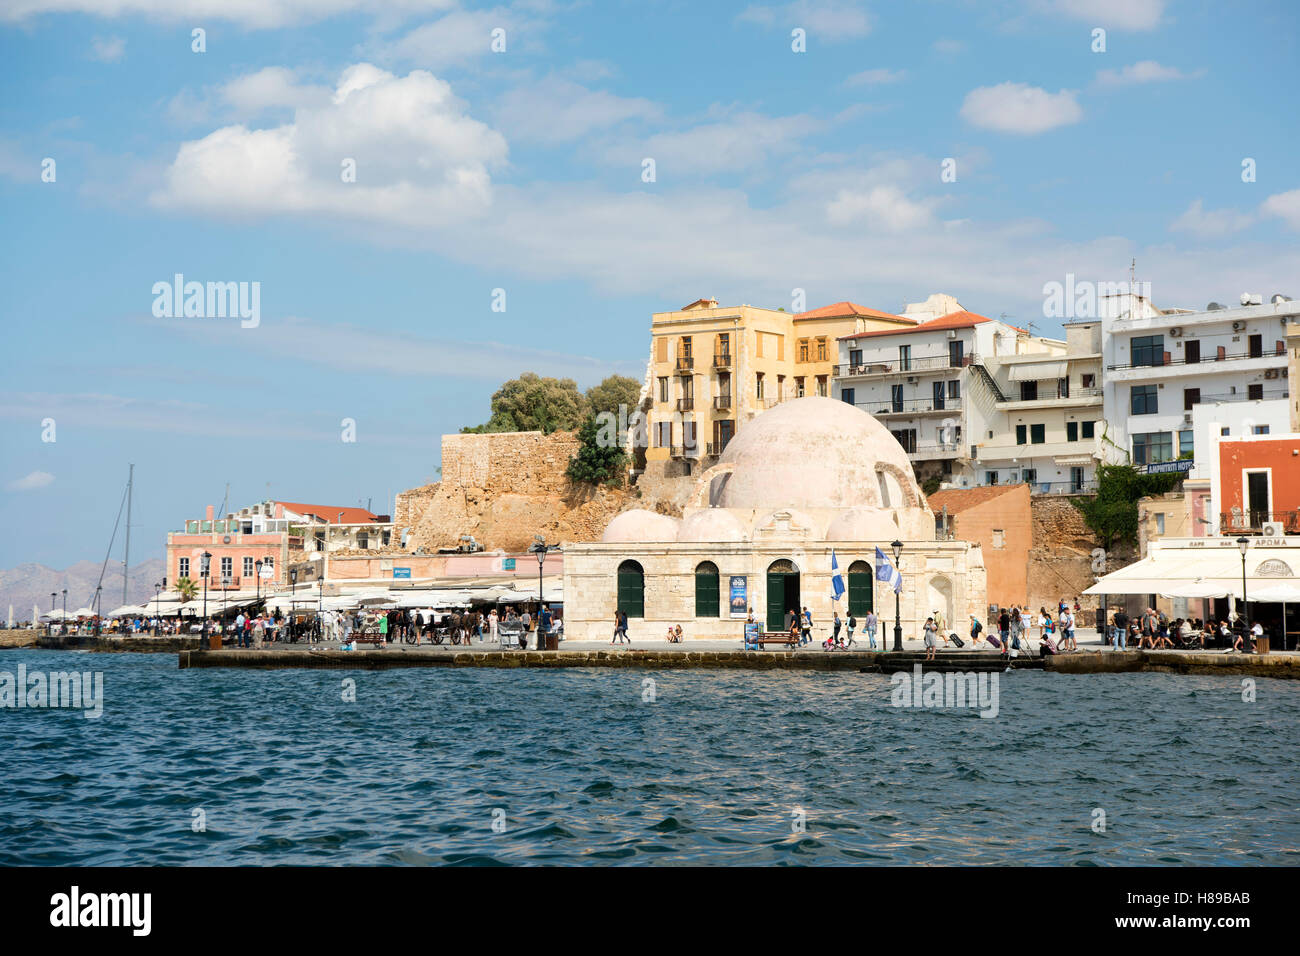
739, 599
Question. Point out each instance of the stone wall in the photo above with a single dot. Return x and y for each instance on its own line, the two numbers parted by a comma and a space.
504, 488
1061, 559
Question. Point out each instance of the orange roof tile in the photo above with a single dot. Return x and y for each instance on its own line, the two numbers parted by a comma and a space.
331, 512
953, 320
839, 309
963, 499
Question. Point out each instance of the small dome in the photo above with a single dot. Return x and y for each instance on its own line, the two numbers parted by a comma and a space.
640, 525
811, 453
863, 524
711, 524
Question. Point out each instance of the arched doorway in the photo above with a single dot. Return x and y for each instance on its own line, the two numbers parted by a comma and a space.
861, 590
782, 593
631, 589
940, 599
707, 596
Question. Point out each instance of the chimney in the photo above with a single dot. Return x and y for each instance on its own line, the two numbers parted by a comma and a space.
209, 516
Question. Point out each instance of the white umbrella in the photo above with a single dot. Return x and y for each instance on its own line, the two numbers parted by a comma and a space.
84, 612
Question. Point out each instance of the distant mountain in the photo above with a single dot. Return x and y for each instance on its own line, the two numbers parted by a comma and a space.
31, 584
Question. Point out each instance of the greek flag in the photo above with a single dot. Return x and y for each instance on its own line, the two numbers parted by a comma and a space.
837, 579
885, 571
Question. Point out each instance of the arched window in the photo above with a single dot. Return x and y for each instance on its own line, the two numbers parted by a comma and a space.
861, 589
631, 589
707, 601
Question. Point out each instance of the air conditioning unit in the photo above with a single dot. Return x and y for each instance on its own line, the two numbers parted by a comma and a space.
1238, 326
911, 380
1175, 332
1270, 373
1274, 529
952, 333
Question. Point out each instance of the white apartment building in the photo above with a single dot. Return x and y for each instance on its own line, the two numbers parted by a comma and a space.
1050, 424
1161, 364
931, 384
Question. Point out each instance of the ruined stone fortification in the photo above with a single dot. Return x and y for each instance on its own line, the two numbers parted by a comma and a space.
1061, 559
503, 489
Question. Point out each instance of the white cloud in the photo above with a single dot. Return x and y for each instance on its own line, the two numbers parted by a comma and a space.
420, 158
826, 20
733, 143
1018, 108
875, 77
556, 110
1114, 14
881, 207
1285, 206
1209, 225
259, 14
107, 49
1146, 71
455, 39
32, 481
269, 88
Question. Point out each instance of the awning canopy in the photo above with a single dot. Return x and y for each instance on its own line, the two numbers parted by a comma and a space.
1036, 371
1209, 572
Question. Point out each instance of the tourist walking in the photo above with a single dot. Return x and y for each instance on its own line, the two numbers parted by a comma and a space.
834, 640
807, 626
851, 625
1004, 626
976, 629
493, 622
869, 624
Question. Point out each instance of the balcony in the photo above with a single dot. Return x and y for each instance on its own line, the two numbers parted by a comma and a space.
934, 363
1252, 522
685, 364
1078, 397
686, 404
722, 402
215, 581
928, 451
722, 360
717, 447
918, 406
685, 451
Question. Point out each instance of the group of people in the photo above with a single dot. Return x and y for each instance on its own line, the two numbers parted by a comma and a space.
1153, 629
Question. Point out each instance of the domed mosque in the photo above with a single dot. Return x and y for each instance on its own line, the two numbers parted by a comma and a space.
810, 476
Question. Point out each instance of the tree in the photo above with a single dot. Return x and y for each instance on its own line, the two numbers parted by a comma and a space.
1112, 515
615, 391
533, 403
187, 589
599, 458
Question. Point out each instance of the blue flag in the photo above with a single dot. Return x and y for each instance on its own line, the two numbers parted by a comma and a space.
837, 579
885, 571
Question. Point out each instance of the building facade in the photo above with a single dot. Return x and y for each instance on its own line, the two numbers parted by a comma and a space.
714, 368
1160, 365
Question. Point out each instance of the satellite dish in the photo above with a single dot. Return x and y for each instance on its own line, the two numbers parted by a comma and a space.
1279, 297
1214, 307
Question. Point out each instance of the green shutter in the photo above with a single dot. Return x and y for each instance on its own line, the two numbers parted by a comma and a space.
706, 594
631, 591
860, 594
775, 601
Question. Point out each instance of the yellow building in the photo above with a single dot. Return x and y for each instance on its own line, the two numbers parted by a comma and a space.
1293, 369
713, 368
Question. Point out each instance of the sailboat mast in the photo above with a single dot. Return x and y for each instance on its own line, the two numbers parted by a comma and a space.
126, 558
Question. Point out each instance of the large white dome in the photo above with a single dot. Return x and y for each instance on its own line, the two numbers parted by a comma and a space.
711, 524
816, 453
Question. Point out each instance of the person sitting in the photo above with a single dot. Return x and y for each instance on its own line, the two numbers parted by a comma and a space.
677, 634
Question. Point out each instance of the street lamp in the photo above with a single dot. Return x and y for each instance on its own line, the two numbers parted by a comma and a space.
99, 607
49, 628
157, 608
205, 566
257, 565
1243, 544
293, 587
540, 547
65, 609
897, 547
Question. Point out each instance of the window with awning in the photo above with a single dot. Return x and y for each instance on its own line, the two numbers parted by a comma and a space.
1037, 371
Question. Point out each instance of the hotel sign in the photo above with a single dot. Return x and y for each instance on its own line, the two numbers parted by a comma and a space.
1171, 467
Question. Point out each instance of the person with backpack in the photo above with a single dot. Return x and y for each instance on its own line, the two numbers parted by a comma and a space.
851, 625
976, 629
807, 626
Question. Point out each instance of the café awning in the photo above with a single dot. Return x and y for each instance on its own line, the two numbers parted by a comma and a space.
1208, 572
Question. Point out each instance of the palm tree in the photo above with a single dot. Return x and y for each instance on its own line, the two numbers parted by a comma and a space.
187, 588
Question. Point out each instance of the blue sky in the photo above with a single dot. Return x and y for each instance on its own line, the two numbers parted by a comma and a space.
522, 170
